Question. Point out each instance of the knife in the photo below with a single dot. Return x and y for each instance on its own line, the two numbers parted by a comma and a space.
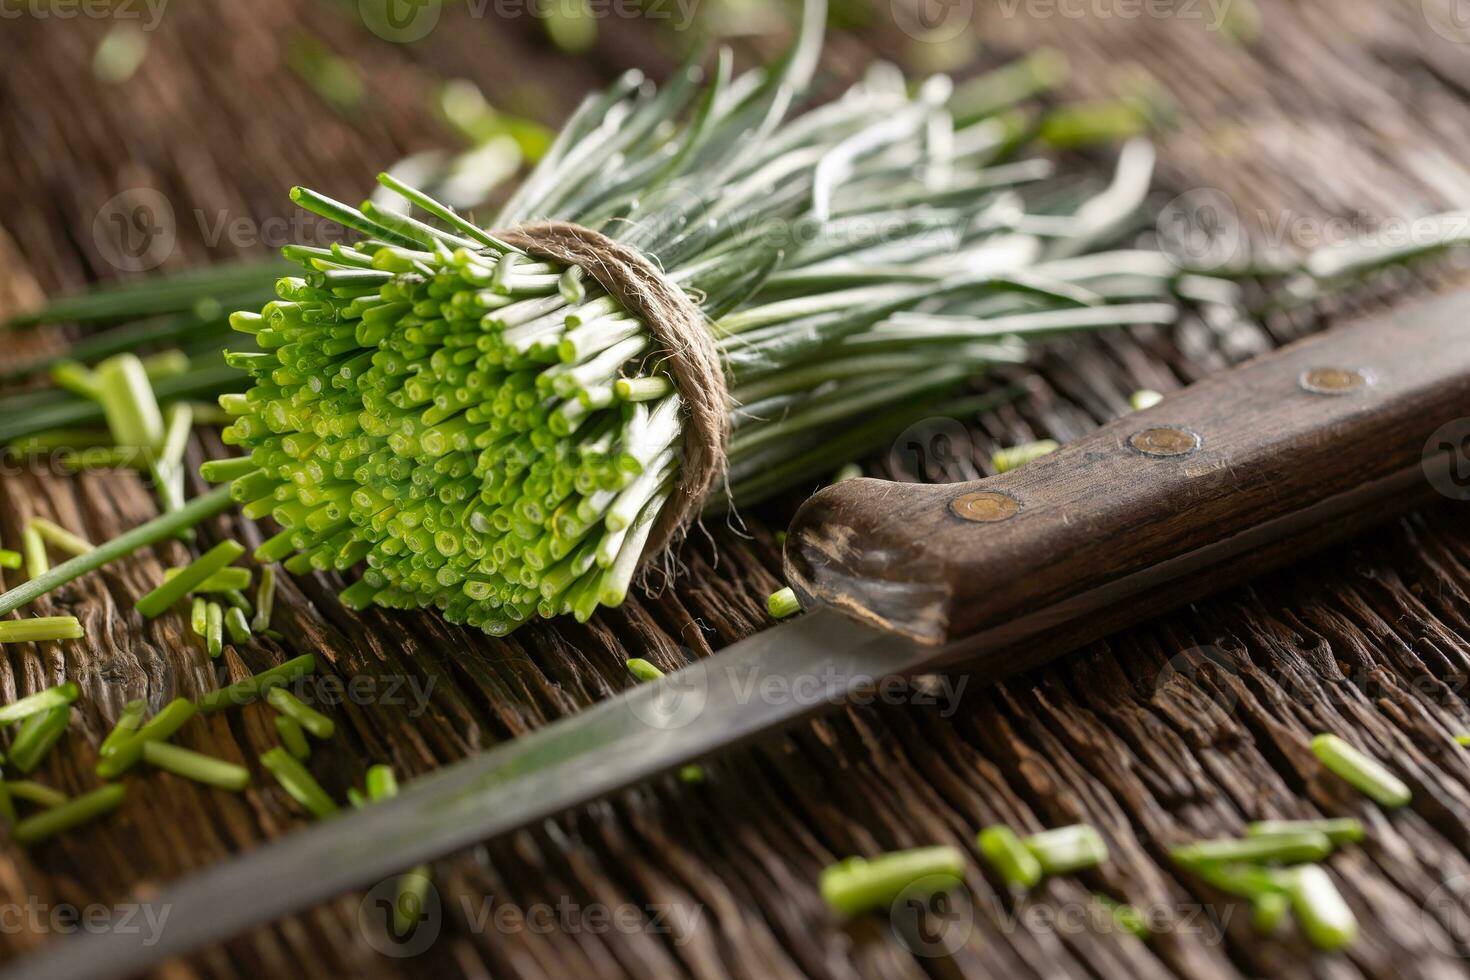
1230, 477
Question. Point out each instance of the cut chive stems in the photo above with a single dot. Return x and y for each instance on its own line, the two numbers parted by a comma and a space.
381, 783
37, 735
1288, 848
1268, 912
188, 578
265, 599
34, 792
859, 885
34, 546
1126, 917
643, 670
77, 811
1005, 460
251, 688
308, 718
1339, 830
293, 737
164, 526
1067, 849
214, 629
199, 617
1367, 775
127, 723
10, 559
783, 603
1320, 909
129, 403
1144, 398
125, 752
196, 766
76, 378
224, 580
299, 783
40, 628
1011, 859
413, 884
32, 704
59, 537
238, 627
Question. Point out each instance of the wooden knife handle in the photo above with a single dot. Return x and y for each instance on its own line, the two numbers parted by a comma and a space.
1234, 475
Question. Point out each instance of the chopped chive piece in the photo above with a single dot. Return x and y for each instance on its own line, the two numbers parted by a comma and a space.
236, 624
265, 599
227, 470
36, 737
189, 577
39, 628
196, 766
168, 721
1268, 912
32, 704
164, 526
10, 559
37, 793
1127, 917
128, 403
1005, 460
31, 542
1066, 849
643, 670
848, 471
783, 603
381, 783
1341, 830
127, 724
1462, 739
1324, 916
199, 617
224, 580
125, 752
408, 904
354, 795
76, 378
214, 633
691, 774
1010, 858
1366, 774
1144, 398
60, 537
292, 736
237, 599
296, 781
1289, 848
859, 884
75, 812
309, 718
251, 688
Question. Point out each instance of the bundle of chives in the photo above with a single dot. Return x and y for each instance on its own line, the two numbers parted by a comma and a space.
864, 884
297, 782
75, 812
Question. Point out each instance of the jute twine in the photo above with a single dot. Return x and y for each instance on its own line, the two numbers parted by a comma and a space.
678, 327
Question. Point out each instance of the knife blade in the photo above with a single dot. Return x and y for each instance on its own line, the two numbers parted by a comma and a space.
1233, 476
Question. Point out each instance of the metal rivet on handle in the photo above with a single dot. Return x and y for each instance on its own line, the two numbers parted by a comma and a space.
985, 506
1165, 440
1333, 381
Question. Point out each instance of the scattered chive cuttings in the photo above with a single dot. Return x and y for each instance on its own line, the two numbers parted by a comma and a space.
62, 694
125, 752
859, 885
79, 810
251, 688
161, 527
413, 884
39, 628
237, 625
127, 724
37, 735
214, 622
189, 578
1063, 850
644, 670
307, 717
1287, 848
1367, 775
224, 580
265, 599
34, 547
1011, 859
1005, 460
297, 782
60, 537
1339, 830
293, 736
199, 617
10, 559
33, 792
783, 603
196, 766
1320, 909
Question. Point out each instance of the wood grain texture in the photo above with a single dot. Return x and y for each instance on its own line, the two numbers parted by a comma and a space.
1183, 728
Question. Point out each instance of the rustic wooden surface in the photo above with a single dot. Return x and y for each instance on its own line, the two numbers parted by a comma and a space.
1318, 108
